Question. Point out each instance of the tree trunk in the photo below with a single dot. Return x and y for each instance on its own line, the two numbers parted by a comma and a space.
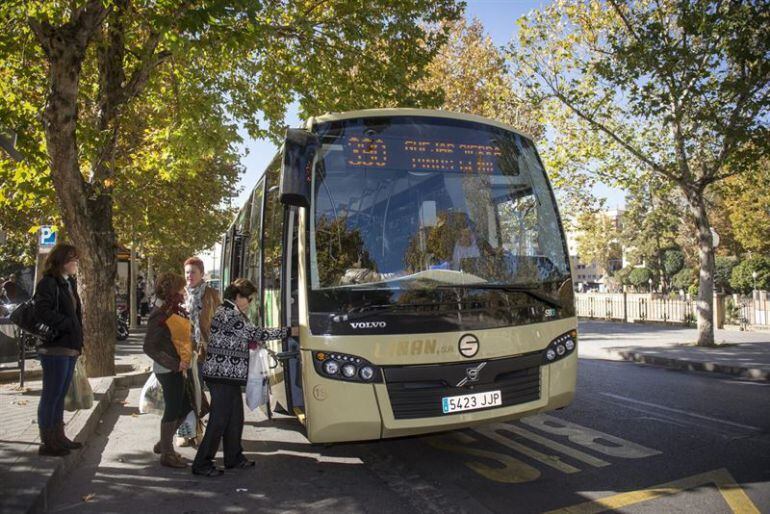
87, 214
705, 303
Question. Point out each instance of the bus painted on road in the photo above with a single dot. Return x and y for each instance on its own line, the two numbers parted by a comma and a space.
422, 256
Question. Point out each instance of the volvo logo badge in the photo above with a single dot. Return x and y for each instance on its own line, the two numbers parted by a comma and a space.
471, 375
468, 345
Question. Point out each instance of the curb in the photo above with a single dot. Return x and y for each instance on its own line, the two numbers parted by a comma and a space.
87, 427
690, 365
9, 376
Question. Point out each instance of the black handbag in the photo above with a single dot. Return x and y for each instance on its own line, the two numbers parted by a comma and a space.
25, 318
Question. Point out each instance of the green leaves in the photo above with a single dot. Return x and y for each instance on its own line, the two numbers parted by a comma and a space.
230, 63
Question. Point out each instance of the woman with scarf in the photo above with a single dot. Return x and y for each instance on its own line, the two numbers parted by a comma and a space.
201, 301
168, 330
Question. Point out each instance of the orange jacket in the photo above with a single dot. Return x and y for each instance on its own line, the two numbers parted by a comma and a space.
181, 336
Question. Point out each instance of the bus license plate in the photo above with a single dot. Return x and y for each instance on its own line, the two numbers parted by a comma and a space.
471, 401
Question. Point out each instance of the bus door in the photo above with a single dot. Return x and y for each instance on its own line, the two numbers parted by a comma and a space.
280, 297
290, 360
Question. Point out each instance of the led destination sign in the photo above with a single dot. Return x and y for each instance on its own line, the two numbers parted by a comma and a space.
421, 155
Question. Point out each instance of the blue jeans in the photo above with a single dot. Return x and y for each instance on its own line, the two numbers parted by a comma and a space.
57, 375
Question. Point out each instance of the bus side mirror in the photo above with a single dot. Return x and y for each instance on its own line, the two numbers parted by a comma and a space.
299, 149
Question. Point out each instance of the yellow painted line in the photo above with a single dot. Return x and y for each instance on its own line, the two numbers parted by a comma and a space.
733, 494
549, 460
566, 450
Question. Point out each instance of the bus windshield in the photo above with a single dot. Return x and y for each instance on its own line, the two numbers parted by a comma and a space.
422, 203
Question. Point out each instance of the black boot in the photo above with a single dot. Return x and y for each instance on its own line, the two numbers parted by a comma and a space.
64, 442
50, 446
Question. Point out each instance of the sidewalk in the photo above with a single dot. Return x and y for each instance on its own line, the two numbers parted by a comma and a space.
743, 354
25, 476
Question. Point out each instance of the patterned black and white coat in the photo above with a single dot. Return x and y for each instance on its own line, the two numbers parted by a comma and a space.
227, 354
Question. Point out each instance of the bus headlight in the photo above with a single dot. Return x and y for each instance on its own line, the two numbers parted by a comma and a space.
331, 367
560, 347
346, 367
367, 373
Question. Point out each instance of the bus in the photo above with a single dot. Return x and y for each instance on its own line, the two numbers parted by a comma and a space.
422, 256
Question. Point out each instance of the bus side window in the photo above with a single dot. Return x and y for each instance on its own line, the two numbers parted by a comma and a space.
253, 260
272, 250
226, 264
240, 241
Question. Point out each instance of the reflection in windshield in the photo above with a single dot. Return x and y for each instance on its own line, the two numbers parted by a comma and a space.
415, 214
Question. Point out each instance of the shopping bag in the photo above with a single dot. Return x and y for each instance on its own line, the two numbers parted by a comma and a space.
189, 426
79, 395
257, 387
151, 397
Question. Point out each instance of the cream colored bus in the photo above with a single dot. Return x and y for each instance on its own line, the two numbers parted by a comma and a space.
423, 258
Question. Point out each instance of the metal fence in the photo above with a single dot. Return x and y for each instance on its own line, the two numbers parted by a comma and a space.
636, 307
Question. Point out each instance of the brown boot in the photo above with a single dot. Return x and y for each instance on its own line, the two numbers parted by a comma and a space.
157, 451
64, 442
168, 456
50, 446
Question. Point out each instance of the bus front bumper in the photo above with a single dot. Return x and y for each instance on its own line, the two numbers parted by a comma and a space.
356, 412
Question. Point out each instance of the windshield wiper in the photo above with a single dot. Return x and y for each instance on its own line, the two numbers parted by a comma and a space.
369, 310
528, 290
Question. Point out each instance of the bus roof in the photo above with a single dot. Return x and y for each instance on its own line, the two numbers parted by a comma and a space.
376, 113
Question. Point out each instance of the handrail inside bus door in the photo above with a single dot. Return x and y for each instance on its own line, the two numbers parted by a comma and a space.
284, 305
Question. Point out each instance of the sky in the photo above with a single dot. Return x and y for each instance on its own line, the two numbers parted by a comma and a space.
499, 20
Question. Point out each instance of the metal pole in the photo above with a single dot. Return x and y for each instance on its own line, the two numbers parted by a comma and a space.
132, 288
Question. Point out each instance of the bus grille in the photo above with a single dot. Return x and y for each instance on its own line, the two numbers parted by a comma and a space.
416, 391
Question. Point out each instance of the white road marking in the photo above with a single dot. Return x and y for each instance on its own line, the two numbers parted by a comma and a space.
679, 411
566, 450
493, 432
589, 438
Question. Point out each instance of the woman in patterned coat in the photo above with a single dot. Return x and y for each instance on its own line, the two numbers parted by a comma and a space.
225, 371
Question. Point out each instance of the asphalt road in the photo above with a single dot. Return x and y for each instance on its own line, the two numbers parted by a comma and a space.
637, 439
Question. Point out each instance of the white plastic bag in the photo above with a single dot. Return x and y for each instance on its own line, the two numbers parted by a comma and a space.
257, 387
188, 427
151, 397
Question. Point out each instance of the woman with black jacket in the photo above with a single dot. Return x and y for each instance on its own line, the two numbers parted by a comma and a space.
225, 371
57, 304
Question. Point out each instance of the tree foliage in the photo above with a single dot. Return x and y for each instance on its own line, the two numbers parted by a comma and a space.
650, 225
747, 206
675, 90
472, 73
673, 262
724, 270
640, 277
135, 94
683, 279
742, 279
598, 240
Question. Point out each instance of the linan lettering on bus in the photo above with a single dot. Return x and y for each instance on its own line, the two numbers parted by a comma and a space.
413, 347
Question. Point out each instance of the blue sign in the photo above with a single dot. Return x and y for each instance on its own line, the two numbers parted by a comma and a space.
47, 236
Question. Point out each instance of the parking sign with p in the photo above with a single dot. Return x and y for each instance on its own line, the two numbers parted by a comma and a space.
47, 236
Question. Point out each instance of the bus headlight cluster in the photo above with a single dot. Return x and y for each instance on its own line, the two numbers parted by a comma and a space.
560, 347
341, 366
